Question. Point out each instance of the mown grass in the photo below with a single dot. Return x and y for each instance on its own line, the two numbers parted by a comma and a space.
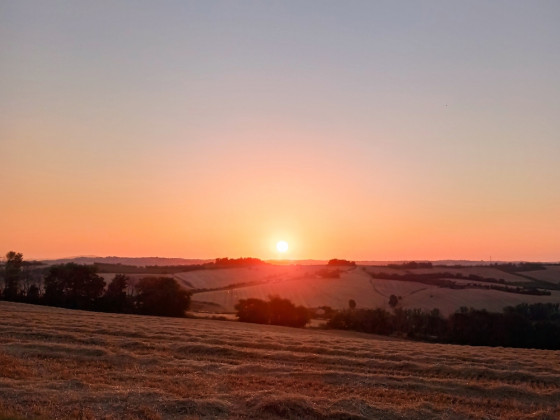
57, 363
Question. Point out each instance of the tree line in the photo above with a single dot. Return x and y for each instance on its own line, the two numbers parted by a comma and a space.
79, 286
525, 325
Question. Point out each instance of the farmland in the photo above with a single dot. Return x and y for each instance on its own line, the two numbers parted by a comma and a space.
303, 286
58, 363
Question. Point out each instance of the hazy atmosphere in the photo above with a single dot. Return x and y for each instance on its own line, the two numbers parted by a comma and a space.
363, 130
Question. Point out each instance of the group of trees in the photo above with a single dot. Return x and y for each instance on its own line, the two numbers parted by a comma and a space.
341, 263
275, 311
79, 286
236, 262
531, 326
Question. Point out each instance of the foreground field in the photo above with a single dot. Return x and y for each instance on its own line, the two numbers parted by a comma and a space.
57, 363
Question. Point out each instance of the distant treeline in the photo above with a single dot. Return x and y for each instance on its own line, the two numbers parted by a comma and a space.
443, 280
518, 267
411, 265
344, 263
149, 269
173, 269
235, 262
529, 326
79, 286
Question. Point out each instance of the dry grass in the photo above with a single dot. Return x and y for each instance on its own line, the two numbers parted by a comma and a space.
57, 364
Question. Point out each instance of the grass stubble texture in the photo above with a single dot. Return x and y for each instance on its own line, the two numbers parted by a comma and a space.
58, 364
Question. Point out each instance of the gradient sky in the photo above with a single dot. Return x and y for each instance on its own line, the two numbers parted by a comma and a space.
378, 130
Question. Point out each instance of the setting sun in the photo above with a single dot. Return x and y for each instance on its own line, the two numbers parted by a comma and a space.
282, 246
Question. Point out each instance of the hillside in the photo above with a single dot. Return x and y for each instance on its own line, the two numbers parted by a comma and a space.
304, 286
58, 363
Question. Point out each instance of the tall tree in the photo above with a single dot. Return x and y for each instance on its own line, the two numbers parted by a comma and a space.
115, 296
73, 285
162, 296
12, 274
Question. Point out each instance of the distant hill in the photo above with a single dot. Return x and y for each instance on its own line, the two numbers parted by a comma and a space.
136, 261
161, 261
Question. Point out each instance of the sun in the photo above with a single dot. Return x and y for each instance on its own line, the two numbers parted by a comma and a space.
282, 246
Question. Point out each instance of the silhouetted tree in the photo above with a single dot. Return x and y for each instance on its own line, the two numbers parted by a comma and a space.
376, 321
393, 301
253, 310
12, 274
33, 294
284, 312
115, 298
277, 311
352, 304
73, 285
162, 296
337, 262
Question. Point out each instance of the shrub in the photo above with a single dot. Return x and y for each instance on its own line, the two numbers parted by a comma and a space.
277, 311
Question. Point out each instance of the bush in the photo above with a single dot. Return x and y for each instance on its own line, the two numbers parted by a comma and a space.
276, 311
253, 310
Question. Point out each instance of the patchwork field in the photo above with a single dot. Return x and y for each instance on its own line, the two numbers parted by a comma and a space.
304, 287
58, 364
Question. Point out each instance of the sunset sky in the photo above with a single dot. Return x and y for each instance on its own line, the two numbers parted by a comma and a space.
368, 130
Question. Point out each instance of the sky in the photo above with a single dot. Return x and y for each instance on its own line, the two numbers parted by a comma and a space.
367, 130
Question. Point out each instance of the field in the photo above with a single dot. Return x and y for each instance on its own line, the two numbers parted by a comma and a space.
551, 274
302, 286
57, 364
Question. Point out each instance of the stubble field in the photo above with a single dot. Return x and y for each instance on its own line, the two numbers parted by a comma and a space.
57, 363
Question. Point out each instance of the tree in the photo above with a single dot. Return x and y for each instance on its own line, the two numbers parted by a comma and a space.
352, 304
115, 298
162, 296
284, 312
253, 310
277, 311
393, 301
32, 295
12, 274
337, 262
73, 285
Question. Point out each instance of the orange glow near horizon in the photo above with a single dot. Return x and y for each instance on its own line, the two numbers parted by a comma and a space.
149, 132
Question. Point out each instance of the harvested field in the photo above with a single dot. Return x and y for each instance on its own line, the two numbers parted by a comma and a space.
487, 272
551, 274
224, 277
57, 363
312, 291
